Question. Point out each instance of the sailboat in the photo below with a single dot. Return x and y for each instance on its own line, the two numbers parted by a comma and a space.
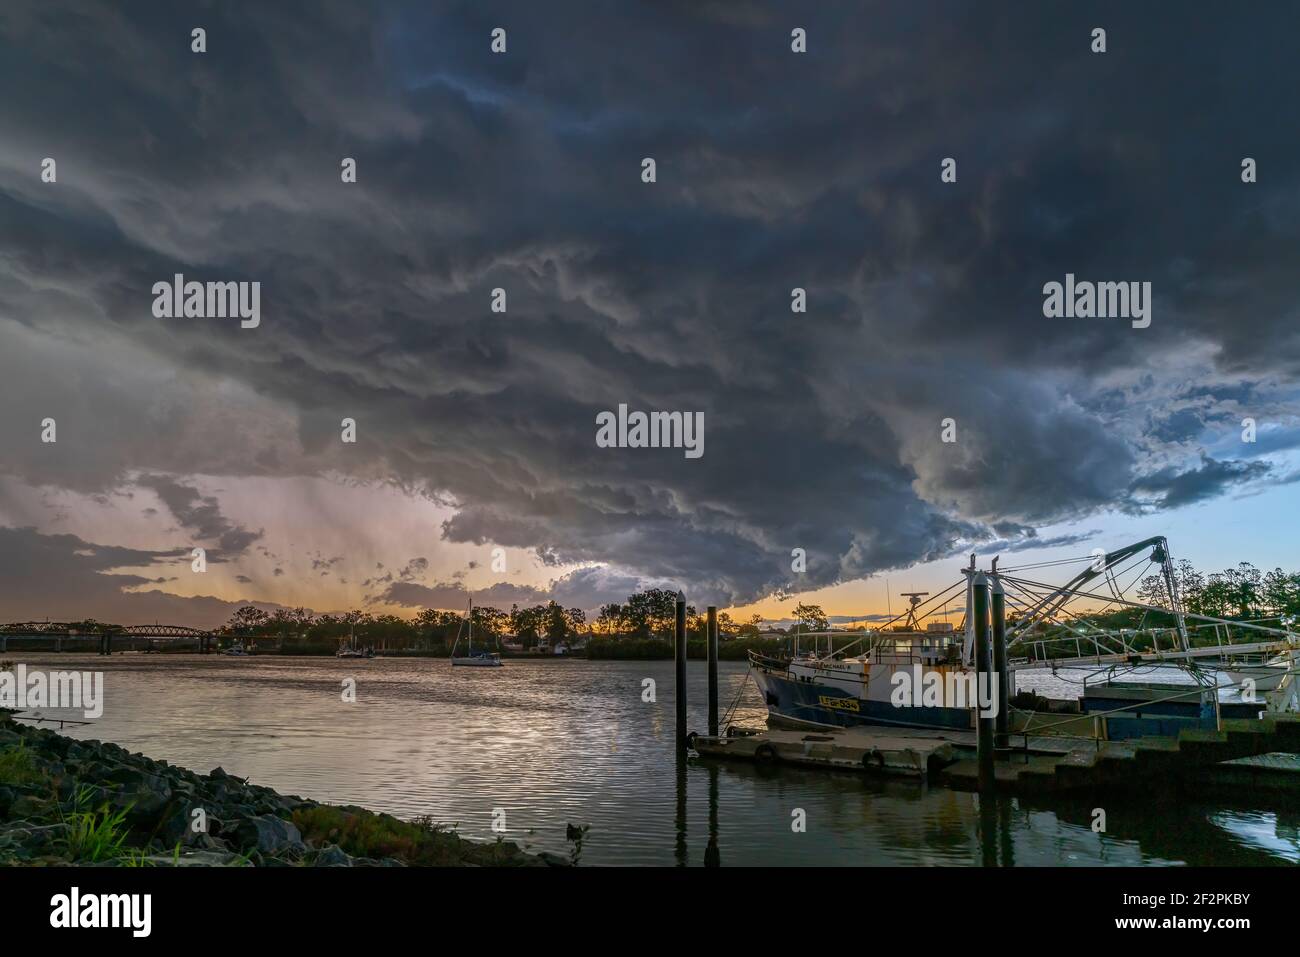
350, 650
484, 659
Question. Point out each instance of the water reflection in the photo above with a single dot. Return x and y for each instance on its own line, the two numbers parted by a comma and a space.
573, 741
713, 853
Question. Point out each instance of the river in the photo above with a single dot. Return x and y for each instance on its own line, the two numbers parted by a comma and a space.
541, 744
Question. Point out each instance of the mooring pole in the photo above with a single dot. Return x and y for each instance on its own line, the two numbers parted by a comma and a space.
713, 670
1002, 722
983, 679
679, 652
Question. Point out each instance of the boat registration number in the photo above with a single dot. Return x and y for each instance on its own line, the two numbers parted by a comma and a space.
839, 704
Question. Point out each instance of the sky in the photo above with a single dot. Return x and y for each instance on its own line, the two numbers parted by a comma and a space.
476, 466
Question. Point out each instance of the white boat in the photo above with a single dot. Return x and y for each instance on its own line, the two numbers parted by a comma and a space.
236, 651
1266, 675
350, 650
483, 659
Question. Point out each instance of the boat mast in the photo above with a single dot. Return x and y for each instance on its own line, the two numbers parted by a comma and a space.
968, 638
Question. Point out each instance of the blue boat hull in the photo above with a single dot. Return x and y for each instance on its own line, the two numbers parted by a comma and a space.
808, 703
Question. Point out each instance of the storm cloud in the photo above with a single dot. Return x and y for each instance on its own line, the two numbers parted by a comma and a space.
522, 171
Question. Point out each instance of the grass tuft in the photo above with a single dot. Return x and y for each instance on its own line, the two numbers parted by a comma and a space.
94, 835
18, 767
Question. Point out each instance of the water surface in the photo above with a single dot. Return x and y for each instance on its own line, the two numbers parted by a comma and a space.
559, 742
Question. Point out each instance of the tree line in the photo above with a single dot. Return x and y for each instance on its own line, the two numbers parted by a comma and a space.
1242, 592
431, 627
645, 615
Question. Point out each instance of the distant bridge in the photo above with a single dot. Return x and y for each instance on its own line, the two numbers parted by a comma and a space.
58, 632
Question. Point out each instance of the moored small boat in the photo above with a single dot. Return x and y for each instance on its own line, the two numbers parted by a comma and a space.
483, 659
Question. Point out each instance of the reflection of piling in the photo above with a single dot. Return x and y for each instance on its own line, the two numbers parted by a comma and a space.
1000, 670
983, 677
679, 652
712, 855
712, 641
1004, 832
679, 820
988, 829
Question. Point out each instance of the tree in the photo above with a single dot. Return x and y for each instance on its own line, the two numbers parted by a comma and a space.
246, 620
726, 627
1280, 592
490, 621
557, 628
610, 618
528, 624
811, 617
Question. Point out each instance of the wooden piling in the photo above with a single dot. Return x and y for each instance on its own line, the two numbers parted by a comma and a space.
679, 653
983, 673
1000, 670
713, 670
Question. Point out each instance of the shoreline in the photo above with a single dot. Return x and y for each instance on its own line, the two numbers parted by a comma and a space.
65, 801
15, 654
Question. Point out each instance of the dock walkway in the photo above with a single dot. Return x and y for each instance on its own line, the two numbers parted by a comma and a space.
909, 751
1047, 763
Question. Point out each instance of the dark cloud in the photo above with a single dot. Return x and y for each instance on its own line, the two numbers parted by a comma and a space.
454, 595
822, 431
201, 515
1171, 488
65, 578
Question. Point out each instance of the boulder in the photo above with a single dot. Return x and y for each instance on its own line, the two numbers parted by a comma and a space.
331, 855
33, 839
178, 825
143, 802
198, 858
28, 807
269, 835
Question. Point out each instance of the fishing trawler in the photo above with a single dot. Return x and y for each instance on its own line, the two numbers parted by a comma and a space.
828, 691
922, 674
